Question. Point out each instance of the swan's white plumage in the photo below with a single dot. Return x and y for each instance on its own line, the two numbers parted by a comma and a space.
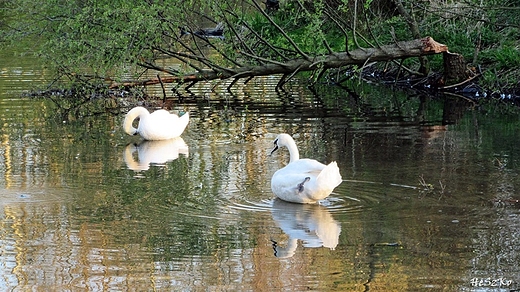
303, 180
159, 125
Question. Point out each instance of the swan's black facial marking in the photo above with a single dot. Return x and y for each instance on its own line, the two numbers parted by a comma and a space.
275, 147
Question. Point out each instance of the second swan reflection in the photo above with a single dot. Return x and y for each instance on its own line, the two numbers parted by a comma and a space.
312, 224
153, 152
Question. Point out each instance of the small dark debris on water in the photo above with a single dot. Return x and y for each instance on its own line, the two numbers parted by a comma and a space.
390, 244
213, 32
434, 83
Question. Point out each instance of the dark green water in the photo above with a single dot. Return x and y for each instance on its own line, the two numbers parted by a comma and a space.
428, 200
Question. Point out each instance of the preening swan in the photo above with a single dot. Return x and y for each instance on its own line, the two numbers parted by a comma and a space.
303, 180
159, 125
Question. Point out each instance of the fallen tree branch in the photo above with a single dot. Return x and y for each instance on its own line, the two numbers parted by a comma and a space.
459, 84
400, 50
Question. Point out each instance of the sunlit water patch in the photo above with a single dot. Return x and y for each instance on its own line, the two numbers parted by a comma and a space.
9, 197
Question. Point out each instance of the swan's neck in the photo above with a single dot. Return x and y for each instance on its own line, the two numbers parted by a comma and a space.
294, 154
130, 117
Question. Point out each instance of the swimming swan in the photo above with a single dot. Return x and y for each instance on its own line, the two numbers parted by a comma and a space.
303, 180
159, 125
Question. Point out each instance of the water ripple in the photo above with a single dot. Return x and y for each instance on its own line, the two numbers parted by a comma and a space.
262, 206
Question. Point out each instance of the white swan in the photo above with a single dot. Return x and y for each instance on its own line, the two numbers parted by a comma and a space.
303, 180
312, 224
154, 152
159, 125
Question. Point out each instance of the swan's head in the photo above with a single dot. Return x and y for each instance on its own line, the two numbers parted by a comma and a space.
281, 141
129, 129
275, 146
285, 140
133, 132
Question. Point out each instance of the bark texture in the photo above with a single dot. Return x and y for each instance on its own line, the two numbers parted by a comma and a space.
454, 67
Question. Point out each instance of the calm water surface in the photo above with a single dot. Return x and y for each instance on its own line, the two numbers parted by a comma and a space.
428, 200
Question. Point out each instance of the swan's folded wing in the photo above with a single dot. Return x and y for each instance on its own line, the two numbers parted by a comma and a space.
306, 166
283, 180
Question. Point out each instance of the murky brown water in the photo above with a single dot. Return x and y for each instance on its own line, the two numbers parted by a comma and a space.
423, 205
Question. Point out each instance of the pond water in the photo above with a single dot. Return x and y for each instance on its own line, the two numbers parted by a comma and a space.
427, 202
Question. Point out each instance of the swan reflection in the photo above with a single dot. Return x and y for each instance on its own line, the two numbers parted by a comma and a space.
153, 152
312, 224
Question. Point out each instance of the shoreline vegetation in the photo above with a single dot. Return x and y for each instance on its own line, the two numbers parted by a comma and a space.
238, 41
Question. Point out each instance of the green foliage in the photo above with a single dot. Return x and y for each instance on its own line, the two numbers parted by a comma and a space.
503, 56
489, 30
305, 23
109, 38
95, 35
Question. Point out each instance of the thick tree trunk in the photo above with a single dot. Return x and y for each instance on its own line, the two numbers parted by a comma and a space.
454, 67
400, 50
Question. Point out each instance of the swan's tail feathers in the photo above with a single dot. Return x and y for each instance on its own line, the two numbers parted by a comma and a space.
182, 123
330, 175
185, 118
